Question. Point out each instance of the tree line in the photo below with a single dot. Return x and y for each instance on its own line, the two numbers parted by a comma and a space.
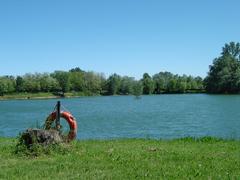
223, 77
92, 83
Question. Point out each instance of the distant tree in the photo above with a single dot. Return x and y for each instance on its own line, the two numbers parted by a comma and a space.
31, 83
172, 86
148, 84
11, 84
199, 81
181, 85
93, 82
161, 81
191, 83
19, 84
76, 80
113, 84
63, 79
7, 85
77, 69
137, 89
126, 85
48, 83
103, 84
3, 86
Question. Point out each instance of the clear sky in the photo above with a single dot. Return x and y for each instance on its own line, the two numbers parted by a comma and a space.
128, 37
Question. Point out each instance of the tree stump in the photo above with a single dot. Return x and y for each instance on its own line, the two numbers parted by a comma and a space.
40, 136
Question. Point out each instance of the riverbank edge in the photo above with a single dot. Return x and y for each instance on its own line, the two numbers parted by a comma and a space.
204, 139
36, 96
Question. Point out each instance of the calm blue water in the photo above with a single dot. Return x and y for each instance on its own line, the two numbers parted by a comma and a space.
163, 116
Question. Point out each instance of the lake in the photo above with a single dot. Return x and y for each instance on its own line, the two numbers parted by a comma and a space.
157, 116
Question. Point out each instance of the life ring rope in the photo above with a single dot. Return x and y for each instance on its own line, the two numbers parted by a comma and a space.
70, 120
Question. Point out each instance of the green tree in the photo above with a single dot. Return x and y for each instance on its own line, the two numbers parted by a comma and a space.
63, 79
48, 83
113, 84
191, 83
19, 84
137, 88
3, 86
7, 85
172, 86
232, 49
93, 82
199, 81
77, 69
31, 83
126, 85
148, 84
181, 85
224, 75
76, 80
161, 81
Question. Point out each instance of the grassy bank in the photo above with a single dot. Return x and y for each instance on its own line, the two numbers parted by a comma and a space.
127, 159
28, 96
41, 95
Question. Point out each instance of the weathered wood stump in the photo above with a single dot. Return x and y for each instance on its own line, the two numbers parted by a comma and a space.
40, 136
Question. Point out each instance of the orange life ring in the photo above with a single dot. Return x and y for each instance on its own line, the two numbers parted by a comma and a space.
69, 118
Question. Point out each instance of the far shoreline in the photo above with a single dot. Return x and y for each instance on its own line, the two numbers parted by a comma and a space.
43, 96
46, 96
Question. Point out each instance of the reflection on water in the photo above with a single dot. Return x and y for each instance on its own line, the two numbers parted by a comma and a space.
163, 116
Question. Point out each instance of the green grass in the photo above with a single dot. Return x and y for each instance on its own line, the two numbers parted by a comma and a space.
27, 96
41, 95
205, 158
49, 95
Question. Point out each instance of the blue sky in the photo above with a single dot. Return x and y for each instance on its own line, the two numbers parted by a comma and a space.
128, 37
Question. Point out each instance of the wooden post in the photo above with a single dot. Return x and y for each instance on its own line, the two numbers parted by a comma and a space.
58, 115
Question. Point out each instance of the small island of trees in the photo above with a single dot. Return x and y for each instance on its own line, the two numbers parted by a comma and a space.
223, 77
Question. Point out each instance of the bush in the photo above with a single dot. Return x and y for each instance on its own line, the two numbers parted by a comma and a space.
32, 147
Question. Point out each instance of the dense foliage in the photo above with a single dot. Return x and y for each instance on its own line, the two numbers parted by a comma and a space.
224, 74
91, 83
223, 77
